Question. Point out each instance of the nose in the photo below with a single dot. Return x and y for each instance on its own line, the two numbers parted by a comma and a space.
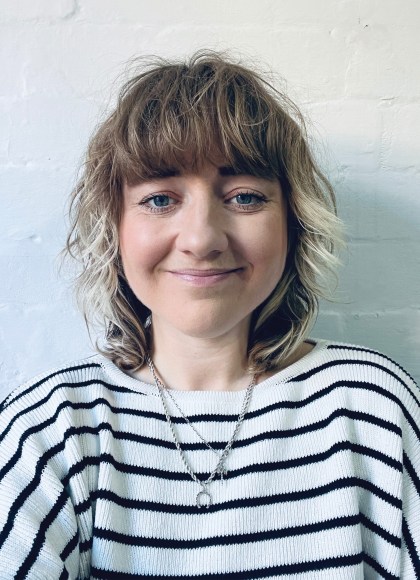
202, 230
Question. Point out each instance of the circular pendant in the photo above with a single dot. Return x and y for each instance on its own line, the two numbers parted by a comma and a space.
203, 499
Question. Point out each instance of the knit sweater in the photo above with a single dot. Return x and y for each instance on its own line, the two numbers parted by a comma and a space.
323, 479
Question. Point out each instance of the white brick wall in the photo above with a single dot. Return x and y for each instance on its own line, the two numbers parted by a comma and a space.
351, 65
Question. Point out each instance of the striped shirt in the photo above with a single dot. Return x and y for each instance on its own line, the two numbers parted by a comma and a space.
323, 481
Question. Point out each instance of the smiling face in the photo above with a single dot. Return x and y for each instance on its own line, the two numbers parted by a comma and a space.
202, 249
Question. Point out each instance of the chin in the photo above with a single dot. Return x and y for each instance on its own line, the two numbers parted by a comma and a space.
209, 327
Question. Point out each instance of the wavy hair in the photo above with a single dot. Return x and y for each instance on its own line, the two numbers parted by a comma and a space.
171, 110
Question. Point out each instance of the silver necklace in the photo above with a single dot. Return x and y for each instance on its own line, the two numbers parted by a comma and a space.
223, 471
204, 498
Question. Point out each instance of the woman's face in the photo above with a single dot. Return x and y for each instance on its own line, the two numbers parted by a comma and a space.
203, 249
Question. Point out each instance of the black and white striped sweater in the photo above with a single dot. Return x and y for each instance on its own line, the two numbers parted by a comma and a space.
323, 481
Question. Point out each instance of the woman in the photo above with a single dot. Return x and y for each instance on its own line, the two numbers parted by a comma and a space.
210, 437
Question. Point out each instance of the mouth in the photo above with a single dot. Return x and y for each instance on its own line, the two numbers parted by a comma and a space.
203, 277
205, 273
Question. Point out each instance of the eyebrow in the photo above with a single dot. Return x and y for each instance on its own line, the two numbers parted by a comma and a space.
227, 170
169, 172
224, 171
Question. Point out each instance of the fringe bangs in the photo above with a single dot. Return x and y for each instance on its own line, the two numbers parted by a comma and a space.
186, 116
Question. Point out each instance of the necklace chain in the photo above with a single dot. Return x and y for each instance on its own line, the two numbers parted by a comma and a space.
206, 443
204, 497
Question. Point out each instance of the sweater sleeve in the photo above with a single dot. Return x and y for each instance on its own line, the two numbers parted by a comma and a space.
410, 544
38, 526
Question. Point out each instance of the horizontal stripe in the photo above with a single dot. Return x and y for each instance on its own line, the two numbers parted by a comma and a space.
379, 531
18, 393
39, 404
415, 476
359, 363
233, 473
411, 546
376, 353
126, 436
174, 544
86, 545
250, 502
40, 536
295, 568
70, 547
379, 569
244, 538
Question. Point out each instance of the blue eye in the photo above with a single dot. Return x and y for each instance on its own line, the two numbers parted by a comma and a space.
247, 201
246, 198
158, 203
160, 200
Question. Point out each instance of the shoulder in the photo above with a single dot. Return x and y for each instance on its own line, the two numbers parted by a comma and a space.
364, 361
359, 367
73, 372
48, 394
363, 357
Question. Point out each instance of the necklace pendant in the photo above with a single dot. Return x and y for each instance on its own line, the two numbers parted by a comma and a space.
223, 472
204, 499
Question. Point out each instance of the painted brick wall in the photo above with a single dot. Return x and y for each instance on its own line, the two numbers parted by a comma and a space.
351, 65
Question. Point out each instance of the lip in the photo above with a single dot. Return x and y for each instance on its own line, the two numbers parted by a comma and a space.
204, 273
203, 278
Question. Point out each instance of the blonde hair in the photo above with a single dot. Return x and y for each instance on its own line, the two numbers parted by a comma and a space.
172, 109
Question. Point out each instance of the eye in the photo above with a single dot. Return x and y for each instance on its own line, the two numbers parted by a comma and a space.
247, 200
158, 202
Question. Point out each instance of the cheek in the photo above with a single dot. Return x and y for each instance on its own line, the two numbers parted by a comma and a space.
267, 247
138, 247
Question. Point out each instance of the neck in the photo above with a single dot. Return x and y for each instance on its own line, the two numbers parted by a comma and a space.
205, 364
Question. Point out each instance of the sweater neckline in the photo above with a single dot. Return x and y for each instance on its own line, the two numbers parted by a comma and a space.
283, 376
